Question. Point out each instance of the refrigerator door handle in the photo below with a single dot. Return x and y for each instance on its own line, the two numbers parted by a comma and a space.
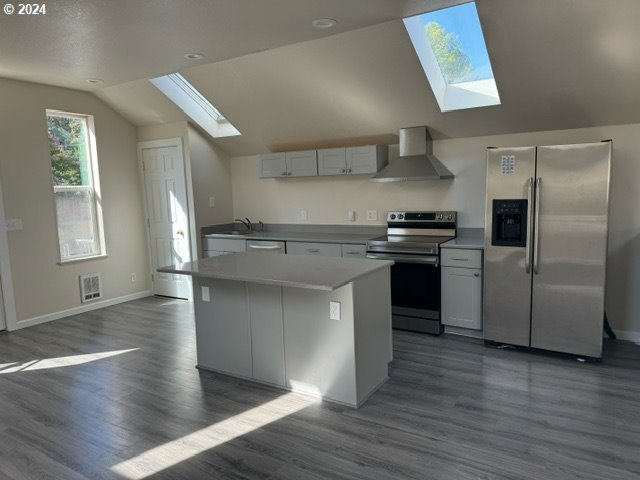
536, 227
527, 251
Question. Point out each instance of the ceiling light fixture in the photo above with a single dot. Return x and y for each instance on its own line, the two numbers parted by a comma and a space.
94, 81
193, 56
324, 23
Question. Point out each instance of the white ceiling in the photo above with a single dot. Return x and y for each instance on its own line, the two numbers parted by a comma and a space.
558, 64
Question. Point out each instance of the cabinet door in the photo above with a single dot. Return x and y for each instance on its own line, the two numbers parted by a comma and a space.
267, 337
302, 164
332, 161
354, 251
273, 165
368, 159
462, 297
224, 244
312, 248
223, 333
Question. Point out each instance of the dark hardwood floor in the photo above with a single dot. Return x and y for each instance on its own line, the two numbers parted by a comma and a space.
114, 394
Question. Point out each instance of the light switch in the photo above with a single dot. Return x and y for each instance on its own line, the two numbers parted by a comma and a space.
212, 202
351, 215
13, 224
334, 310
205, 294
304, 215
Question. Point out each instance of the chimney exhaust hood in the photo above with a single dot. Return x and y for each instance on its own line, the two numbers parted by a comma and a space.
416, 160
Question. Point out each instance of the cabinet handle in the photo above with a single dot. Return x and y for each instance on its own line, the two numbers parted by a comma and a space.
460, 259
476, 274
349, 170
284, 174
313, 250
289, 173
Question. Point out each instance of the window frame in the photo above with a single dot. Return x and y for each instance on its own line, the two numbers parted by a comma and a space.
93, 189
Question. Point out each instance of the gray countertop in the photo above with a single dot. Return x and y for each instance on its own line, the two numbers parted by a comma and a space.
472, 242
320, 273
352, 238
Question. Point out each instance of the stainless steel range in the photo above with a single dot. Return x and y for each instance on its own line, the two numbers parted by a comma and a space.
413, 241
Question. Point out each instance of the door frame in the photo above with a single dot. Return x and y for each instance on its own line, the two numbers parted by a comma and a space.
7, 299
193, 245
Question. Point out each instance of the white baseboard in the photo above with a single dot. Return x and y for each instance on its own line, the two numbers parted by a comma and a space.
628, 335
87, 307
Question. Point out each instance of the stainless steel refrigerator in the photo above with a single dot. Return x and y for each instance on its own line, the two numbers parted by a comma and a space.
546, 246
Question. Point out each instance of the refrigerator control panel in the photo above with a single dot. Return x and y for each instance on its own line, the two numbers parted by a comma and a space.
509, 226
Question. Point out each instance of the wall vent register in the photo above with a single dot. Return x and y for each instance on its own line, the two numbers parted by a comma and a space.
90, 287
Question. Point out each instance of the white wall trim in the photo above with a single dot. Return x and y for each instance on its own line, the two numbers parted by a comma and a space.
628, 335
87, 307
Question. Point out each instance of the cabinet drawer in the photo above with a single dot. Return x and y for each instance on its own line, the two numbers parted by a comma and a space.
354, 251
309, 248
224, 244
461, 257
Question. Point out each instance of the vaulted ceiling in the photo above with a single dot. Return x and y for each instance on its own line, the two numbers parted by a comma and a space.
558, 64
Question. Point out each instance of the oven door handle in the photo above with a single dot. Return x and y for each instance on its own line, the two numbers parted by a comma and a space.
430, 260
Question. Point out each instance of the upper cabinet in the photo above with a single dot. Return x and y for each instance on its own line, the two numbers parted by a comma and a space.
290, 164
328, 161
302, 164
352, 160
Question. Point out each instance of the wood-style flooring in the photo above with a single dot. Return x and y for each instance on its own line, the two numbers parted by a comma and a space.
114, 394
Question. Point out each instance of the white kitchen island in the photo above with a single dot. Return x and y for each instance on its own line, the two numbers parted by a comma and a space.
267, 317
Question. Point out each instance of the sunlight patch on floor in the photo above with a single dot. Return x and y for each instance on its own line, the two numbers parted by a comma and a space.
171, 453
57, 362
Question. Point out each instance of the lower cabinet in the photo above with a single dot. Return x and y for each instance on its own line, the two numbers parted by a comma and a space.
314, 248
327, 249
461, 288
239, 330
213, 247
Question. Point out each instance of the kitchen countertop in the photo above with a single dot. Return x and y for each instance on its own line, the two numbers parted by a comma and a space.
465, 242
353, 238
320, 273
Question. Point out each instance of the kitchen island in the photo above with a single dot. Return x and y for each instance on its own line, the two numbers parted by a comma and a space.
315, 325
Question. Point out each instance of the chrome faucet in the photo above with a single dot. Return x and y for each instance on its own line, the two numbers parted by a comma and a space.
261, 225
246, 222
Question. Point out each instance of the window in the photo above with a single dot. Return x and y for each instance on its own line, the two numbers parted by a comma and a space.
76, 186
451, 49
195, 105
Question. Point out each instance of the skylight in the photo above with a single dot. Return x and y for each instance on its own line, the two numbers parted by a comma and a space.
193, 103
451, 49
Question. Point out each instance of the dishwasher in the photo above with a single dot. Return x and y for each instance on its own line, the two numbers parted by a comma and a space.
265, 246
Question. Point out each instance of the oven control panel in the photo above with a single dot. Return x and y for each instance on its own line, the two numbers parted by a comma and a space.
421, 217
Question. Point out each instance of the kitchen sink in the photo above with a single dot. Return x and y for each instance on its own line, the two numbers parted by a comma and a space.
234, 232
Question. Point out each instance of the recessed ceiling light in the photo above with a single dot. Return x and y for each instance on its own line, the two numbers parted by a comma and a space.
193, 56
324, 23
94, 81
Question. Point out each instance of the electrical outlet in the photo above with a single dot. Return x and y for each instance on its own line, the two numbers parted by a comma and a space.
206, 296
133, 277
334, 310
212, 202
304, 215
372, 215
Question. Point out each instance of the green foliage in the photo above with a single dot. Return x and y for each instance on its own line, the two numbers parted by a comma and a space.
455, 65
67, 148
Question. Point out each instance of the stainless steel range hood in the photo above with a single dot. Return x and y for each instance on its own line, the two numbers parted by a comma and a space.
416, 160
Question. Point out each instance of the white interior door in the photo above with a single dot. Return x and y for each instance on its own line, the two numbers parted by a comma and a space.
3, 320
167, 214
